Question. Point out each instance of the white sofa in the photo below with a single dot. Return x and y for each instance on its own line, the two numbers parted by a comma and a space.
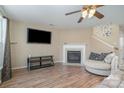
101, 67
115, 80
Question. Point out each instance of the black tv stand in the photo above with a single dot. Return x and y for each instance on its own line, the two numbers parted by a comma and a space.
39, 62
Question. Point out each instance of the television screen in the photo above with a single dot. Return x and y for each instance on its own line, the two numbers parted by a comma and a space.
38, 36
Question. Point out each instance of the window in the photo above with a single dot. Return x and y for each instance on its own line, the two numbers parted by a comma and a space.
3, 29
1, 45
0, 30
121, 42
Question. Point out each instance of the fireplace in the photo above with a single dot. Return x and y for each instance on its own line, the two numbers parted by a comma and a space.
74, 56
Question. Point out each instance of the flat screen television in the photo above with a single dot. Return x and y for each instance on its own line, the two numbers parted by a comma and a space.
38, 36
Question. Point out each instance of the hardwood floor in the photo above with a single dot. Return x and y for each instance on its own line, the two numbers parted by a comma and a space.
58, 76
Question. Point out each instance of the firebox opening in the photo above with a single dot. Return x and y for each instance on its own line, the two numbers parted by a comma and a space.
74, 56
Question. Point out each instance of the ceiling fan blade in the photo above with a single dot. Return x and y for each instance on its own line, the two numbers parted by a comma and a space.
98, 15
86, 6
73, 12
97, 6
89, 6
81, 18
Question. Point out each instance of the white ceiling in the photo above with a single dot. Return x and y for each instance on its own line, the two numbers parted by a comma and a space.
55, 14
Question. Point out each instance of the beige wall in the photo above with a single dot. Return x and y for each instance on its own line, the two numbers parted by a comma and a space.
75, 37
113, 38
101, 43
98, 47
20, 49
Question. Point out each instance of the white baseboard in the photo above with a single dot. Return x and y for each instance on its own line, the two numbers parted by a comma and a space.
14, 68
58, 61
19, 67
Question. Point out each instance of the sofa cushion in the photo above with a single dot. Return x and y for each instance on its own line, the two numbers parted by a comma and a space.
98, 65
96, 56
121, 84
105, 54
111, 83
109, 58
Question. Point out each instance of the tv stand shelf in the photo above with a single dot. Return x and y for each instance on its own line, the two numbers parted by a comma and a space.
39, 62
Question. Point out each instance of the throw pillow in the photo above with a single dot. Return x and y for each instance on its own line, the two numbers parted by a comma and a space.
95, 56
109, 58
105, 54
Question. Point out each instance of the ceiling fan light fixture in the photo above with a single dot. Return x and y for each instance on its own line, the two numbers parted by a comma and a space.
84, 14
91, 12
88, 11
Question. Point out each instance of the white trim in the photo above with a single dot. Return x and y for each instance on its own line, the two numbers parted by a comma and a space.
58, 62
19, 67
74, 47
14, 68
107, 44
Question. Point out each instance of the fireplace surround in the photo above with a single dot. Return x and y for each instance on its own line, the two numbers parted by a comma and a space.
74, 54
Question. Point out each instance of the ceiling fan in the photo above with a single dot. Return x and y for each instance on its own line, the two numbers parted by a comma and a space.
88, 11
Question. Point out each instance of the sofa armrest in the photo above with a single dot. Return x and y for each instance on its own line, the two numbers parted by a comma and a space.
114, 64
113, 81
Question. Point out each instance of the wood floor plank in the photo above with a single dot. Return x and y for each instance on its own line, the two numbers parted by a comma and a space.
58, 76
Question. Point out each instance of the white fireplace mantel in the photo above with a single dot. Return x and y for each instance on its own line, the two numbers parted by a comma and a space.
74, 47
